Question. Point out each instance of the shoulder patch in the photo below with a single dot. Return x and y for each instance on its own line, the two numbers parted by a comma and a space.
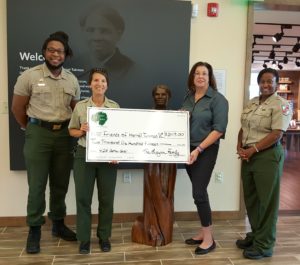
286, 110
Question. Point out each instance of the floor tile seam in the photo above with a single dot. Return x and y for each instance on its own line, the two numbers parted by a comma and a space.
231, 262
158, 259
11, 248
146, 251
22, 251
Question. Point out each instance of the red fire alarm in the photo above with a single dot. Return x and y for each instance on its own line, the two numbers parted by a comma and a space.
212, 9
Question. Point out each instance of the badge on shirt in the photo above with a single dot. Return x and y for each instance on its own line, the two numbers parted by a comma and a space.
285, 109
41, 82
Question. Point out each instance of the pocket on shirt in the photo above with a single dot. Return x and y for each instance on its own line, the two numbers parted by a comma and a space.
68, 95
264, 118
41, 95
245, 114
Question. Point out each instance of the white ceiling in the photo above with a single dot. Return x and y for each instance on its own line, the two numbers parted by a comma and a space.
264, 45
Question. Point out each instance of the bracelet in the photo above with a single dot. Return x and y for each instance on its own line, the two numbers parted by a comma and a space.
200, 149
255, 148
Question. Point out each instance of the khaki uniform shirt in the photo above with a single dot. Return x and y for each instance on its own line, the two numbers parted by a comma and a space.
50, 96
259, 120
79, 115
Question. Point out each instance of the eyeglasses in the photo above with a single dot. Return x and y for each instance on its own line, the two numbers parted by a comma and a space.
52, 51
268, 82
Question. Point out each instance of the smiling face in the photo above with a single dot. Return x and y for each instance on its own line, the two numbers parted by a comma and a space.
54, 55
201, 77
101, 36
267, 85
98, 85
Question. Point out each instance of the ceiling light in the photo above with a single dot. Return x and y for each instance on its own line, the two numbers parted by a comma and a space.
272, 54
296, 46
280, 66
285, 59
297, 62
265, 65
278, 36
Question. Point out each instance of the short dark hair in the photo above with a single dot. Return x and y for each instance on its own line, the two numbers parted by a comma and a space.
61, 37
165, 87
101, 71
212, 79
108, 13
268, 70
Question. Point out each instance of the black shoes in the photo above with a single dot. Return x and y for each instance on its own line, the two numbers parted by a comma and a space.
244, 243
105, 245
33, 240
202, 251
250, 251
192, 241
84, 247
253, 253
59, 229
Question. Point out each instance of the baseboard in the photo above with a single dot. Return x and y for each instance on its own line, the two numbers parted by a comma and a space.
126, 217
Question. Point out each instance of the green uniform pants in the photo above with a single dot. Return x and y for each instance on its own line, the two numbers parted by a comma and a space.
85, 175
261, 184
47, 154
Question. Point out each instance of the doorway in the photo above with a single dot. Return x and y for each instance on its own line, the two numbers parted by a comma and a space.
274, 13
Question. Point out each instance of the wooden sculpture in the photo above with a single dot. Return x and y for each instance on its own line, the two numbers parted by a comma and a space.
155, 226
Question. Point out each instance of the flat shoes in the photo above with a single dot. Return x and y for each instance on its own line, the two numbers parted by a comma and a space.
202, 251
192, 241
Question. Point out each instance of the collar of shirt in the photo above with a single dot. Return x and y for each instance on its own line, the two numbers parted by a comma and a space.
47, 72
92, 104
267, 101
209, 93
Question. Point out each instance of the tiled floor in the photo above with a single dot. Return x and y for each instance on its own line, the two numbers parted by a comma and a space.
55, 251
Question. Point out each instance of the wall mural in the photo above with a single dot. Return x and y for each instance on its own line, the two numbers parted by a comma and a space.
151, 42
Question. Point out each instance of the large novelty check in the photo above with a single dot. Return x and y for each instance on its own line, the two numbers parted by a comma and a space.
131, 135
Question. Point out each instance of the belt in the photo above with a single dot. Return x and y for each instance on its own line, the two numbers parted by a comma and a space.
52, 126
270, 147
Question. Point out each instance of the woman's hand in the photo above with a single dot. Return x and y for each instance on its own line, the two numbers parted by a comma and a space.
193, 156
246, 154
84, 127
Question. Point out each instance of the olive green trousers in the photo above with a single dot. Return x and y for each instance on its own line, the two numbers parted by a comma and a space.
48, 155
261, 184
85, 176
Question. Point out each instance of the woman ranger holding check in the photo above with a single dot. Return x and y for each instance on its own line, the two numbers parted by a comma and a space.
86, 173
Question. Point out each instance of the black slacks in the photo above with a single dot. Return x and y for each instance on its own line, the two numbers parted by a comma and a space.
200, 173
